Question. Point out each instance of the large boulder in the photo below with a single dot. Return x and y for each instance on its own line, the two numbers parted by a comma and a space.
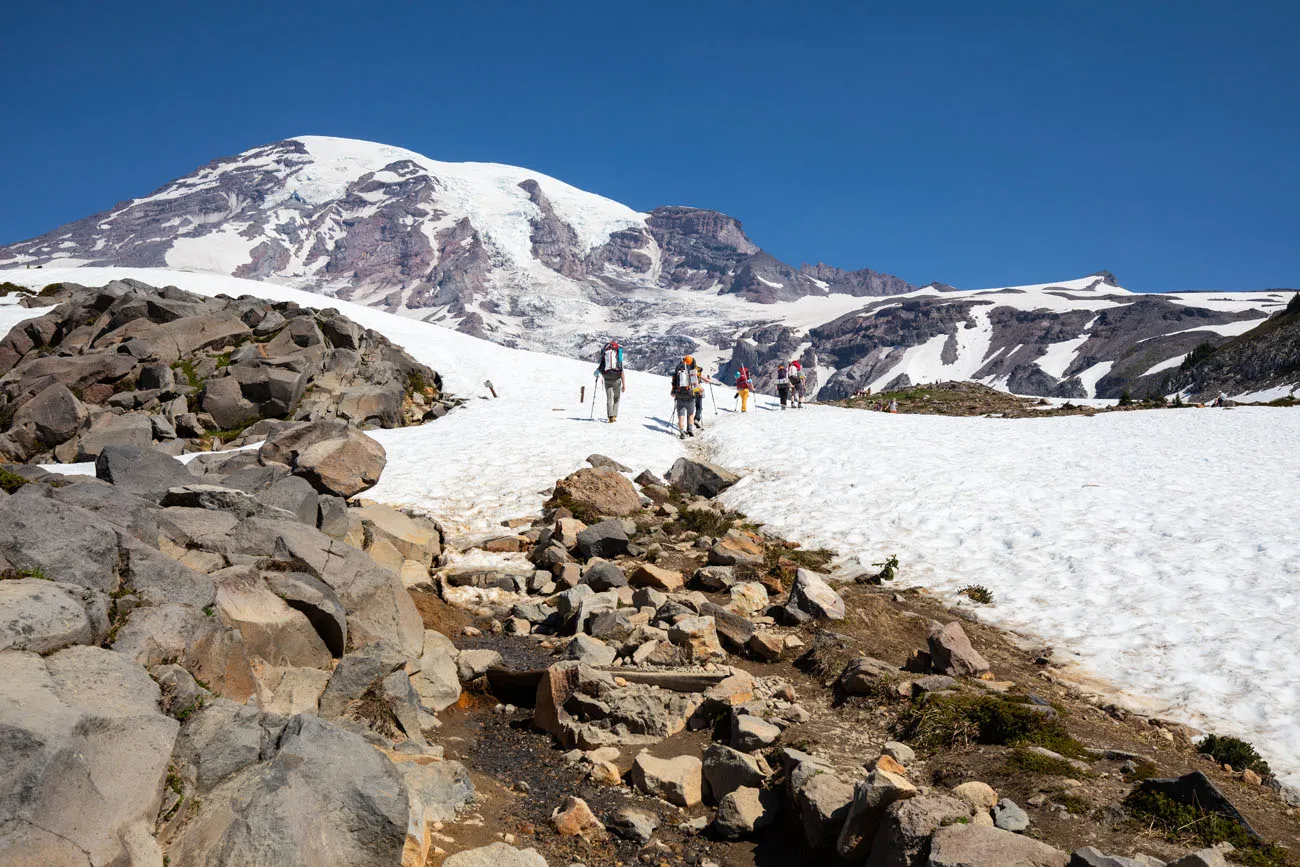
606, 539
54, 414
132, 429
982, 846
144, 471
496, 855
599, 489
726, 770
738, 548
951, 652
412, 538
86, 751
199, 642
272, 630
676, 780
700, 477
744, 811
335, 458
905, 832
325, 797
64, 542
812, 595
871, 798
44, 616
823, 801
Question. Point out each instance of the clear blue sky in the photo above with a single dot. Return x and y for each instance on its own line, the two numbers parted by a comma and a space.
979, 144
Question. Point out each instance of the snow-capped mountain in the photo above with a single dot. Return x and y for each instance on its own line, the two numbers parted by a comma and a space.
526, 260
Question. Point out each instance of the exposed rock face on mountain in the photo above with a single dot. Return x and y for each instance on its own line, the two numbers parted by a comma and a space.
523, 259
1264, 359
131, 364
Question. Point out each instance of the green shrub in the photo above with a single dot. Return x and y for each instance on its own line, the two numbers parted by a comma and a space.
959, 720
1023, 761
977, 593
10, 481
706, 522
1235, 752
1126, 399
584, 513
1187, 824
815, 559
888, 572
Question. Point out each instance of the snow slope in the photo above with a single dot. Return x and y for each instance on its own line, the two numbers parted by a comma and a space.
1160, 547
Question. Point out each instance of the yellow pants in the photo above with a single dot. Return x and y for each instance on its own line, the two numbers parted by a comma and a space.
744, 399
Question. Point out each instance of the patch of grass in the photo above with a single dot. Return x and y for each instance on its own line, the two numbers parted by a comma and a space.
1192, 825
960, 720
1073, 803
816, 559
10, 481
1235, 752
8, 288
189, 710
1143, 769
223, 360
562, 500
52, 289
706, 522
1027, 762
186, 369
229, 434
977, 593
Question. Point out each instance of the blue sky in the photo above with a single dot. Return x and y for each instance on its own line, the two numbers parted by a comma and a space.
978, 144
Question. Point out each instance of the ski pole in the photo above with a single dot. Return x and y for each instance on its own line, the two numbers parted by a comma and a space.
592, 415
714, 399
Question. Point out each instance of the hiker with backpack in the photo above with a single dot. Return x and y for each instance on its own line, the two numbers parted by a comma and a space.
610, 368
743, 386
685, 381
700, 379
795, 372
783, 384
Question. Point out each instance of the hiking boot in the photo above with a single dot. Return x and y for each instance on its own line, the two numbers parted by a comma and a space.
613, 418
699, 425
681, 434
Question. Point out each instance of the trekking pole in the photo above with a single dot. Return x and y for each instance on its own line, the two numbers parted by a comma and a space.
592, 415
714, 399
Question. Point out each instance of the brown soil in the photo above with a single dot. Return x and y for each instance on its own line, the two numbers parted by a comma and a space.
971, 399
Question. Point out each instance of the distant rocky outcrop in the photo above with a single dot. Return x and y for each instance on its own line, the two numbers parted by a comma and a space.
1266, 357
131, 364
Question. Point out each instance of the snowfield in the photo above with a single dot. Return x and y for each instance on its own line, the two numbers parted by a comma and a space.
1160, 549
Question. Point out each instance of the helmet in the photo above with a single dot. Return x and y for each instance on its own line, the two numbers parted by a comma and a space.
690, 359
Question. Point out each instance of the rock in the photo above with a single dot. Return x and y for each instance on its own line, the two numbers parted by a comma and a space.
435, 791
332, 516
871, 798
866, 675
225, 402
714, 579
54, 414
750, 732
335, 458
317, 602
222, 738
952, 654
606, 773
496, 855
766, 646
648, 597
602, 575
67, 543
982, 846
748, 598
726, 770
1196, 788
980, 796
905, 833
633, 824
932, 683
600, 461
1204, 858
743, 811
412, 538
666, 580
1008, 816
241, 504
611, 626
295, 496
575, 819
204, 646
606, 539
701, 478
677, 780
44, 616
86, 752
271, 629
438, 680
133, 429
1090, 857
812, 595
601, 490
357, 673
298, 691
697, 637
899, 752
324, 791
473, 664
823, 802
590, 651
738, 548
144, 471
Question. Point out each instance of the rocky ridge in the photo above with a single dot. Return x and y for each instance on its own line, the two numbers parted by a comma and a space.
131, 364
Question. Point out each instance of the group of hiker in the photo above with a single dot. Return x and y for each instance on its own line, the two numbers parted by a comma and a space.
687, 387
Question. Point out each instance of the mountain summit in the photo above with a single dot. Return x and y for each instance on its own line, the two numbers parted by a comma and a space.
526, 260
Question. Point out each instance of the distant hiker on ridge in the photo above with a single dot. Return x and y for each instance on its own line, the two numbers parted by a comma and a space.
783, 384
685, 381
611, 368
743, 386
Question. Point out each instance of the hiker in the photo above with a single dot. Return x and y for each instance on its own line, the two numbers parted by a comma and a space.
684, 382
783, 384
743, 386
796, 383
893, 405
700, 379
611, 369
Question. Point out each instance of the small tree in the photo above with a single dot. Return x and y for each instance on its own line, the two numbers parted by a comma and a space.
1126, 399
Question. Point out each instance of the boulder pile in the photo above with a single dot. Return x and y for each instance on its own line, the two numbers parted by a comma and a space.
131, 364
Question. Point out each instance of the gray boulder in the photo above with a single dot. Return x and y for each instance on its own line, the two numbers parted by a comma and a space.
145, 471
473, 664
700, 477
1008, 816
335, 458
905, 833
812, 595
633, 824
325, 797
54, 414
294, 495
66, 543
133, 429
496, 855
726, 770
589, 651
239, 503
951, 652
199, 642
871, 798
44, 616
1090, 857
604, 576
982, 846
224, 738
85, 752
823, 802
606, 539
744, 811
